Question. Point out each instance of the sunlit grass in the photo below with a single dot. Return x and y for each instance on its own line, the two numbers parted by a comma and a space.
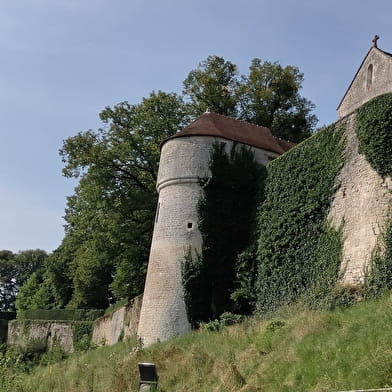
299, 351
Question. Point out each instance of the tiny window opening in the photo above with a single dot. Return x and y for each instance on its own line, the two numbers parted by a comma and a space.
369, 77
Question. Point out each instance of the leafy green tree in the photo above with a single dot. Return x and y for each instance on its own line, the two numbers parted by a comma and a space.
269, 95
8, 287
110, 216
212, 86
15, 270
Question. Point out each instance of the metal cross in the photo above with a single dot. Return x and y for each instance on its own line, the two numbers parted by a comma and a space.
375, 39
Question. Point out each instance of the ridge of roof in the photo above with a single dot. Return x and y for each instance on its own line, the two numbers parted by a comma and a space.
367, 54
218, 125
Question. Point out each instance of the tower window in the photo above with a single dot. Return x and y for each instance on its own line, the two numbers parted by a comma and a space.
189, 225
369, 77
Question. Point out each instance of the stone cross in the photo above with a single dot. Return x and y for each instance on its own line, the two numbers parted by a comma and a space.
375, 39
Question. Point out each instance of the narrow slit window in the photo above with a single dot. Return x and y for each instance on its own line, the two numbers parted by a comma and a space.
369, 77
189, 225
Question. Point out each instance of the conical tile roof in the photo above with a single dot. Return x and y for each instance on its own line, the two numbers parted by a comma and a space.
212, 124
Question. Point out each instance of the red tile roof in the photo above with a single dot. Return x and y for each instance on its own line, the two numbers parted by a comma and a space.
212, 124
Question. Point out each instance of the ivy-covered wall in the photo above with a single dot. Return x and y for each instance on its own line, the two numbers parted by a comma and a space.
374, 131
226, 213
296, 249
298, 253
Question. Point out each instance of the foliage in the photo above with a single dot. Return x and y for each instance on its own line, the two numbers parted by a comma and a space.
244, 295
82, 333
224, 320
374, 130
226, 217
212, 86
112, 308
61, 314
297, 252
15, 270
268, 96
379, 271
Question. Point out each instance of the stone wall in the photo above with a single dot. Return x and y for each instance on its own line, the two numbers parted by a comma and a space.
40, 335
121, 323
361, 205
43, 334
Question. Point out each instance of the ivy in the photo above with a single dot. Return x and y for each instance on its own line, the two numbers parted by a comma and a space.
298, 253
226, 220
374, 131
82, 333
379, 272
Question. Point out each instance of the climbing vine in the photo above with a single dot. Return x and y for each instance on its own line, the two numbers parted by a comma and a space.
374, 130
226, 213
298, 253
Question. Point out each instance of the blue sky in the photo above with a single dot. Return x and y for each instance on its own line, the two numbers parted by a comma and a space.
63, 61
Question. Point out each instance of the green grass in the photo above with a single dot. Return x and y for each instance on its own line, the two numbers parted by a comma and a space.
298, 350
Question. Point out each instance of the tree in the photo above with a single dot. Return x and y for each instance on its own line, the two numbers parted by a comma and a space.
268, 96
212, 86
110, 216
15, 270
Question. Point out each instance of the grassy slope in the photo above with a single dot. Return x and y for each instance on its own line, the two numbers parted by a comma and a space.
303, 351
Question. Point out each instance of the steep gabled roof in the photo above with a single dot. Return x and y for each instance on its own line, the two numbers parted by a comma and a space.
212, 124
356, 74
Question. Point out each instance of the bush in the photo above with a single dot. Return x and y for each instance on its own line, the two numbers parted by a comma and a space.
374, 130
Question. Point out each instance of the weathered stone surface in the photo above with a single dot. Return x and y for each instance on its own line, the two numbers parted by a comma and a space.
123, 322
28, 334
361, 205
374, 78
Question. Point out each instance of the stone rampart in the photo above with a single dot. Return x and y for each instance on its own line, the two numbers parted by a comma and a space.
121, 323
40, 335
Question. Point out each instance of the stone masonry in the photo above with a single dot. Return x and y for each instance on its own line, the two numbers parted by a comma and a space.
361, 206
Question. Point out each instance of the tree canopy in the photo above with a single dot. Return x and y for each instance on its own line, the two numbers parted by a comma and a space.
15, 270
269, 95
109, 217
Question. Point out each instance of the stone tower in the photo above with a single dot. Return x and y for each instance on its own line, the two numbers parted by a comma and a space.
184, 160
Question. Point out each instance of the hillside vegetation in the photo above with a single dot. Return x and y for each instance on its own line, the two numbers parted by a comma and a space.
297, 350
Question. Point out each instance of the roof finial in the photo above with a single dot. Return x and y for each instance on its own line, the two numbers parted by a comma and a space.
207, 110
375, 39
